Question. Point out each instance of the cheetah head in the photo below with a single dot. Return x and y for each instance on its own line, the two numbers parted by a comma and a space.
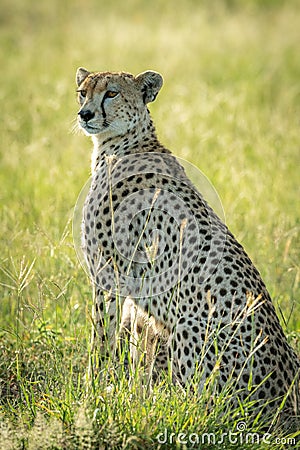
112, 102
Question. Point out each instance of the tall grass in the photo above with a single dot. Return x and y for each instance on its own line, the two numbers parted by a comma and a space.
230, 105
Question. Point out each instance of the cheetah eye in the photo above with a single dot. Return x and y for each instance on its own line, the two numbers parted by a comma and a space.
82, 93
111, 94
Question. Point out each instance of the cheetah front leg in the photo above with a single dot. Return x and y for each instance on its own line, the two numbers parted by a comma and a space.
119, 324
143, 342
107, 314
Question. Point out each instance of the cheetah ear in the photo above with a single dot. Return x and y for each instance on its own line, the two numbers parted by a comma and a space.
150, 83
81, 75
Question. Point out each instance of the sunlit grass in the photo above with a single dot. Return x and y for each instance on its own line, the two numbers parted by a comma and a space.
230, 105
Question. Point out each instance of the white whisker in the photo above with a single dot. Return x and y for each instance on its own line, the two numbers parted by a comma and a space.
75, 128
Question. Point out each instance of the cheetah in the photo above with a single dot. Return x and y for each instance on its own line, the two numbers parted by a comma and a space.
160, 258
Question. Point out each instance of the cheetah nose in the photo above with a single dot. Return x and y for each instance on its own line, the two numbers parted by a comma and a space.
86, 115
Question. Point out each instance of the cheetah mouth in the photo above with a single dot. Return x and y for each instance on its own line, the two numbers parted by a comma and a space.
89, 128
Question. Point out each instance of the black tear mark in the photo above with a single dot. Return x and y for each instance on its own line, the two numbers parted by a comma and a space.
102, 108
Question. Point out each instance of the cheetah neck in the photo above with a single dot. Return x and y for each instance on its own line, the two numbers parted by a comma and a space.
142, 138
